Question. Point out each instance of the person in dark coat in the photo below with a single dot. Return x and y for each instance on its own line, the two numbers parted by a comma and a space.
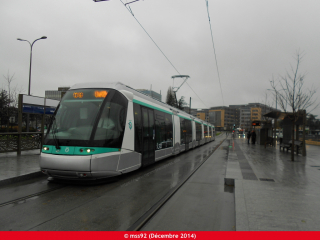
248, 136
253, 136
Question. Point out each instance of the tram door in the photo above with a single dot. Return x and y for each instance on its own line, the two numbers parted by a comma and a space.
148, 137
183, 132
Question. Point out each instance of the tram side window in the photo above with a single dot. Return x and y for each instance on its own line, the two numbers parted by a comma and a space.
183, 131
137, 128
188, 125
198, 131
160, 130
169, 130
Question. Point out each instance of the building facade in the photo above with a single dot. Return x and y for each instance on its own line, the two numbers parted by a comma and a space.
252, 112
56, 95
203, 114
224, 118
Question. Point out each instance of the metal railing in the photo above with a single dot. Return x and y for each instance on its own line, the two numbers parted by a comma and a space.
312, 137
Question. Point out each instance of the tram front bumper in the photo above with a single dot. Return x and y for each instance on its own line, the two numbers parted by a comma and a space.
78, 167
65, 166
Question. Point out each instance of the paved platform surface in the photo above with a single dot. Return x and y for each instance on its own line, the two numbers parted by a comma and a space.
203, 203
15, 168
272, 193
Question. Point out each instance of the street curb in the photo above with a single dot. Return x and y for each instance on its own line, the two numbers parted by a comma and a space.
20, 178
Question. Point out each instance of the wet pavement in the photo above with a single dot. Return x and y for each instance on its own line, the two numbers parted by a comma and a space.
15, 168
109, 206
203, 203
271, 193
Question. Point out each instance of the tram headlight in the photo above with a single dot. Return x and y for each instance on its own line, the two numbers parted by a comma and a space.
45, 148
88, 150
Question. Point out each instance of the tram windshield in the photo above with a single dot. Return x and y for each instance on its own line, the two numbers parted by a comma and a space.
89, 117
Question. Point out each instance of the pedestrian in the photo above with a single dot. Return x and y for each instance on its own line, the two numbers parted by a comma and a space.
248, 136
253, 136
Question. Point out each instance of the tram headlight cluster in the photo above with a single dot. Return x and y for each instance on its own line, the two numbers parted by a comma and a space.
82, 174
45, 148
88, 150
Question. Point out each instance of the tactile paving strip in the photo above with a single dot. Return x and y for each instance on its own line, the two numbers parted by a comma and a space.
246, 170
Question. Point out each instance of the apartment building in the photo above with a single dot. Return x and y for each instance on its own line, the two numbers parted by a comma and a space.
252, 112
224, 118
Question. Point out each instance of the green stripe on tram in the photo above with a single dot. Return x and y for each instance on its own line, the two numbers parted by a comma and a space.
82, 151
150, 106
184, 117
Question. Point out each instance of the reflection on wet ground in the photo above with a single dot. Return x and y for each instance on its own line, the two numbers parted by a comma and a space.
107, 206
286, 197
203, 203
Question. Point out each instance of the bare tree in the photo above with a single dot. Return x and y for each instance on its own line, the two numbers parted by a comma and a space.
171, 98
291, 95
4, 106
13, 97
13, 91
267, 106
181, 103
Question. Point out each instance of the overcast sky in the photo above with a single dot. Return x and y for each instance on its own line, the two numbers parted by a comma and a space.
94, 42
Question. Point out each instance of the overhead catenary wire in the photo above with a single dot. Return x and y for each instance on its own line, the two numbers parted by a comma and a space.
196, 95
129, 9
214, 50
149, 35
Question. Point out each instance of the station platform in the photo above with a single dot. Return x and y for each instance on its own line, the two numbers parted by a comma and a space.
15, 168
271, 192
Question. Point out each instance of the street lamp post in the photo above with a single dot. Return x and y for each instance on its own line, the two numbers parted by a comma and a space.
31, 45
274, 129
29, 86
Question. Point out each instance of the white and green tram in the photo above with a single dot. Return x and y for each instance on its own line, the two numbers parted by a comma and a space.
100, 130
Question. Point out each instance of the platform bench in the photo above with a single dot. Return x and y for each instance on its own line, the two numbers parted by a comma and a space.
285, 145
297, 144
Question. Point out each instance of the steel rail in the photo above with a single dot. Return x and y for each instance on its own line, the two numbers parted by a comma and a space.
152, 211
30, 196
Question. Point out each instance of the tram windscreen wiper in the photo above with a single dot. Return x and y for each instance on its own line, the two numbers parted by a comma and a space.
54, 130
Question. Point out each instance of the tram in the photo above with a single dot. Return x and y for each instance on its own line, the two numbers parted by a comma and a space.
101, 130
